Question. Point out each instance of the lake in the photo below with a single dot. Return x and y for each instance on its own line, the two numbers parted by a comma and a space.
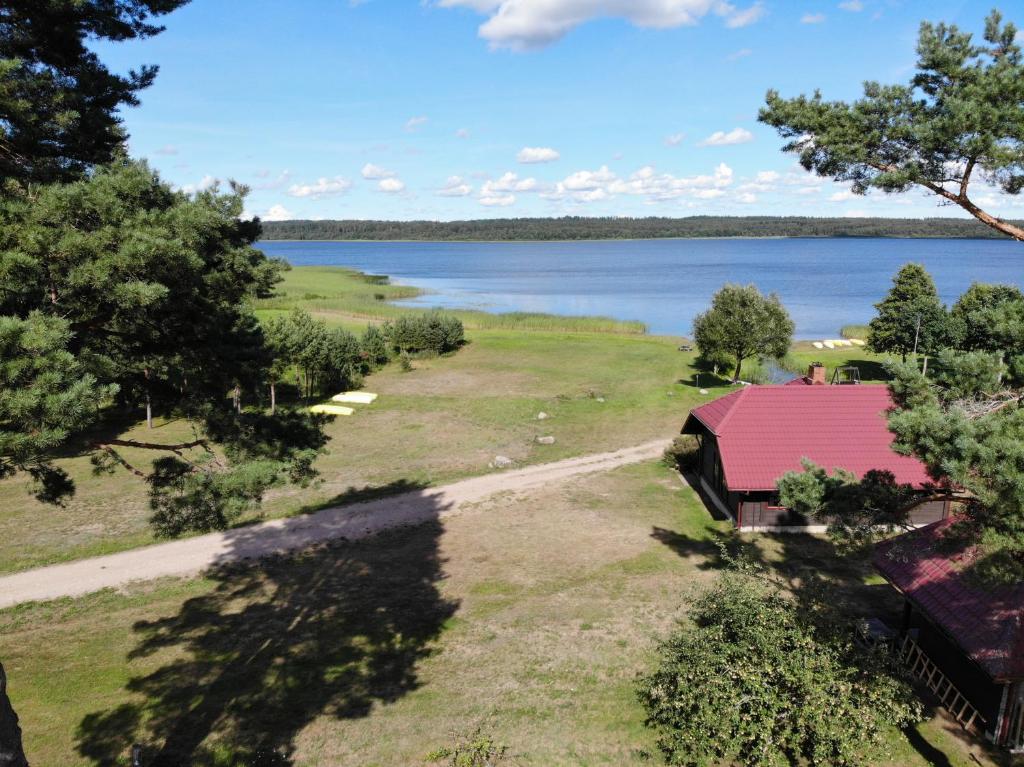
824, 283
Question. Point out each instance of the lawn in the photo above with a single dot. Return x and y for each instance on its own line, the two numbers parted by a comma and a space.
528, 615
603, 386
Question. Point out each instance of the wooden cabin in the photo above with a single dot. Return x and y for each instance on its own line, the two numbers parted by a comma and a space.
751, 437
961, 639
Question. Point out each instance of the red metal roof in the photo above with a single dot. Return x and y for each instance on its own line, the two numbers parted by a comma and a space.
988, 624
764, 431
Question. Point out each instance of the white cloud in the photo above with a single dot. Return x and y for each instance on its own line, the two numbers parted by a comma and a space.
277, 213
589, 186
763, 181
501, 191
746, 198
594, 195
675, 139
532, 154
206, 182
721, 138
462, 133
391, 185
497, 200
374, 172
277, 182
740, 54
415, 123
841, 196
744, 18
812, 18
855, 214
322, 187
167, 149
854, 6
529, 24
586, 180
455, 186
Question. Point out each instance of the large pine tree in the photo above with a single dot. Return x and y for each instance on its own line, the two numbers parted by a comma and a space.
58, 102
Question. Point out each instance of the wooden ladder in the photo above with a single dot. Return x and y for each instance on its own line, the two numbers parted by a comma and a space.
921, 667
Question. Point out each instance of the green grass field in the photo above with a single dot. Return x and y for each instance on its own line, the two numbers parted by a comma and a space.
528, 615
445, 420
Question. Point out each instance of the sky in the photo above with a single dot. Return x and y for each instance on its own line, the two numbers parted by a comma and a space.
456, 109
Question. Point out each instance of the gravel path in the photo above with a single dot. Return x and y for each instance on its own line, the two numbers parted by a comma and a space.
193, 555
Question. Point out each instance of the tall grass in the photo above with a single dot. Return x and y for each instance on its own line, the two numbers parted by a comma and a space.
854, 331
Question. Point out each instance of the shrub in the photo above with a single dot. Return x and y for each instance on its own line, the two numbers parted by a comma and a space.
475, 750
682, 453
760, 679
375, 347
430, 332
405, 359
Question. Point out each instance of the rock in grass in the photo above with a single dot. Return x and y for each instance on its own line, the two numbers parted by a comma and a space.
501, 462
542, 416
545, 440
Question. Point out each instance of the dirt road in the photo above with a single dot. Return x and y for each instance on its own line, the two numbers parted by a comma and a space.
193, 555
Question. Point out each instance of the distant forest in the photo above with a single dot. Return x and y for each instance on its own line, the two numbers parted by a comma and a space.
610, 228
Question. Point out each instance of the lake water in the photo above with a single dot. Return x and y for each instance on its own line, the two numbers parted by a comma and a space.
824, 283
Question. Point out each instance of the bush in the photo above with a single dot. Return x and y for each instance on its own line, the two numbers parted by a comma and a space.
405, 359
759, 679
375, 347
682, 453
478, 749
430, 332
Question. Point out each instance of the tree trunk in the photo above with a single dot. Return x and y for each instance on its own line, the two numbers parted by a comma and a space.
149, 404
273, 398
236, 395
996, 223
739, 365
924, 366
12, 753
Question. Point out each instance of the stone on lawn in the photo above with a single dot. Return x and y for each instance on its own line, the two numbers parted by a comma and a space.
501, 462
545, 440
541, 416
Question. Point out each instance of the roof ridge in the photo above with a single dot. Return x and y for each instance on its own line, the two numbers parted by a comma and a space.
732, 409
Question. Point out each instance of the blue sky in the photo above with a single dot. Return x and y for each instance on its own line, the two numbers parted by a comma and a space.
448, 109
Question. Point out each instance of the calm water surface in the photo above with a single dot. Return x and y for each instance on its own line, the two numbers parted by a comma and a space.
824, 283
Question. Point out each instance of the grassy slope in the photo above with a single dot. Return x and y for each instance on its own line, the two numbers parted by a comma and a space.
530, 615
446, 419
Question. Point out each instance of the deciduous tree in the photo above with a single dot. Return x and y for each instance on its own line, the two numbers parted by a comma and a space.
755, 679
741, 323
960, 119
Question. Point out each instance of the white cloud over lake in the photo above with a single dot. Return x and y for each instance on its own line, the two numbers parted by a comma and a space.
534, 154
522, 25
721, 138
322, 187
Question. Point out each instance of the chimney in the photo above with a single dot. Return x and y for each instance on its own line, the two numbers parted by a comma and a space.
816, 374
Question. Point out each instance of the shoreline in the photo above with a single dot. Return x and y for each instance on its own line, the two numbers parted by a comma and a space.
645, 239
400, 304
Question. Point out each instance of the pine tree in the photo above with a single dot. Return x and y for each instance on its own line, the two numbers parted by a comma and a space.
911, 318
58, 102
960, 118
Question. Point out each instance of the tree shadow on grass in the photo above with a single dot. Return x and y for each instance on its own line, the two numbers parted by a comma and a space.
330, 631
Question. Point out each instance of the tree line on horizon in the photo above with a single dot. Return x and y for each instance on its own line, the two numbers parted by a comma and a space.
627, 228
